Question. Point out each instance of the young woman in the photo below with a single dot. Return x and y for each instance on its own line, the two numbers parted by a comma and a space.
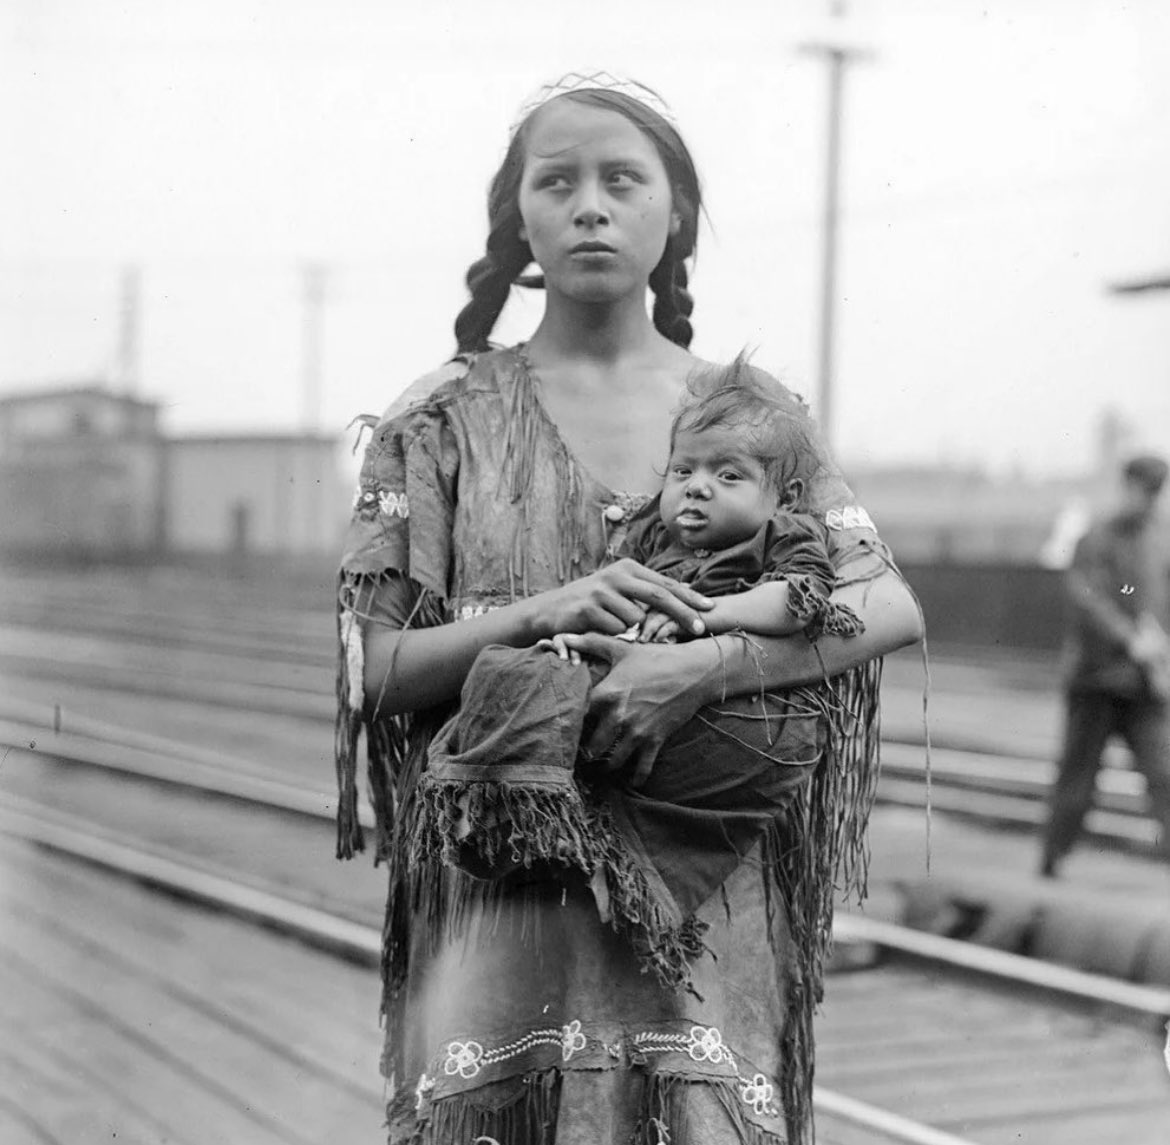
485, 516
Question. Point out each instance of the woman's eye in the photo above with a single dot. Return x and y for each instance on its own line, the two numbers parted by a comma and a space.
623, 179
552, 182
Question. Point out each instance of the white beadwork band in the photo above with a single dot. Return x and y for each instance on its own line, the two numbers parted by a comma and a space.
594, 80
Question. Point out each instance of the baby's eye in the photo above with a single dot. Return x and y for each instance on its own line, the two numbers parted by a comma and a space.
731, 475
679, 471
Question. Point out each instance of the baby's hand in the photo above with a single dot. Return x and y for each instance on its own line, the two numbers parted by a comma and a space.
560, 645
658, 628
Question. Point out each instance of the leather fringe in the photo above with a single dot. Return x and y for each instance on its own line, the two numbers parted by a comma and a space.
529, 1118
821, 850
489, 828
348, 721
513, 826
664, 1120
665, 943
821, 615
386, 739
525, 413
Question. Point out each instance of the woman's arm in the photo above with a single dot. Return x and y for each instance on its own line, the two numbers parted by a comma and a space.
653, 689
411, 668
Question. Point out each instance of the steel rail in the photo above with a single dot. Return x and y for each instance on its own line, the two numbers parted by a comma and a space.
1049, 976
265, 788
73, 836
248, 785
1119, 829
890, 1125
211, 774
978, 767
985, 770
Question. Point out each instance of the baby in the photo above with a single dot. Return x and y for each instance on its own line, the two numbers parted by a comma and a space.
507, 784
728, 521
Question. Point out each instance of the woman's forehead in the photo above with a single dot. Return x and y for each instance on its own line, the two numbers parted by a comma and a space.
563, 126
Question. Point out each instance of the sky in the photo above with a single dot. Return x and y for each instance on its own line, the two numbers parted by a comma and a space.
1003, 163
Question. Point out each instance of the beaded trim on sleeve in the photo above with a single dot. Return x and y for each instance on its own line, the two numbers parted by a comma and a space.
471, 611
370, 500
849, 517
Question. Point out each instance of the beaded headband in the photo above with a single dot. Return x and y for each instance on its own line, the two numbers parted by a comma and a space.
594, 80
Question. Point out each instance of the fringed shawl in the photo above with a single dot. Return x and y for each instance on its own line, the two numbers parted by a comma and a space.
470, 499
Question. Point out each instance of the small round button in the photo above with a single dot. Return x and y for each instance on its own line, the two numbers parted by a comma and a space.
614, 514
368, 496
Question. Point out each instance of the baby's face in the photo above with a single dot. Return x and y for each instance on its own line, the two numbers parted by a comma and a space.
716, 494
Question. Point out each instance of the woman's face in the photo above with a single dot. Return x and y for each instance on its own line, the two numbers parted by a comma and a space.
595, 202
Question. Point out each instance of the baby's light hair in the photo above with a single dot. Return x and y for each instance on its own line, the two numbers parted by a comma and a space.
777, 428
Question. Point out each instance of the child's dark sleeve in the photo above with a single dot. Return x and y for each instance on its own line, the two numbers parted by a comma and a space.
799, 555
645, 536
799, 549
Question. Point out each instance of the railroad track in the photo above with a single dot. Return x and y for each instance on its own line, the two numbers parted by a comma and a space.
979, 785
245, 840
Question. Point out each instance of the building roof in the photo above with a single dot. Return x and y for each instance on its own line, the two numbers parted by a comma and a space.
253, 438
1141, 285
82, 389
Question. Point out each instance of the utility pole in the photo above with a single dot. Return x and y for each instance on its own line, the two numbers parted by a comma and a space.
312, 340
127, 364
837, 55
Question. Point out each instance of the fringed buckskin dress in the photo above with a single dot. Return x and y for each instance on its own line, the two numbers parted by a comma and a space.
514, 1014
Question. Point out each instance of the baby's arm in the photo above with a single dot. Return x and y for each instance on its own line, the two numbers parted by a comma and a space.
793, 595
763, 610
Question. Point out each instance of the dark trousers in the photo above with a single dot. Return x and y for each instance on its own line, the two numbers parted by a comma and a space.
1093, 717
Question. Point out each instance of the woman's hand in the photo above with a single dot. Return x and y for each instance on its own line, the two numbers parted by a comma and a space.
651, 690
615, 598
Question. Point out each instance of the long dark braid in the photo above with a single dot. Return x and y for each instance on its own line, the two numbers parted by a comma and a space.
673, 303
491, 277
489, 280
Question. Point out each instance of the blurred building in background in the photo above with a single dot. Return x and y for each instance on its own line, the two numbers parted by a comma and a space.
963, 515
88, 473
80, 472
253, 493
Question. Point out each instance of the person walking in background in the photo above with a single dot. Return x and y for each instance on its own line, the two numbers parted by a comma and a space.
1119, 678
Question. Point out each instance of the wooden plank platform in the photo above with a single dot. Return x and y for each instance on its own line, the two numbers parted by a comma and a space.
1004, 1070
130, 1017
